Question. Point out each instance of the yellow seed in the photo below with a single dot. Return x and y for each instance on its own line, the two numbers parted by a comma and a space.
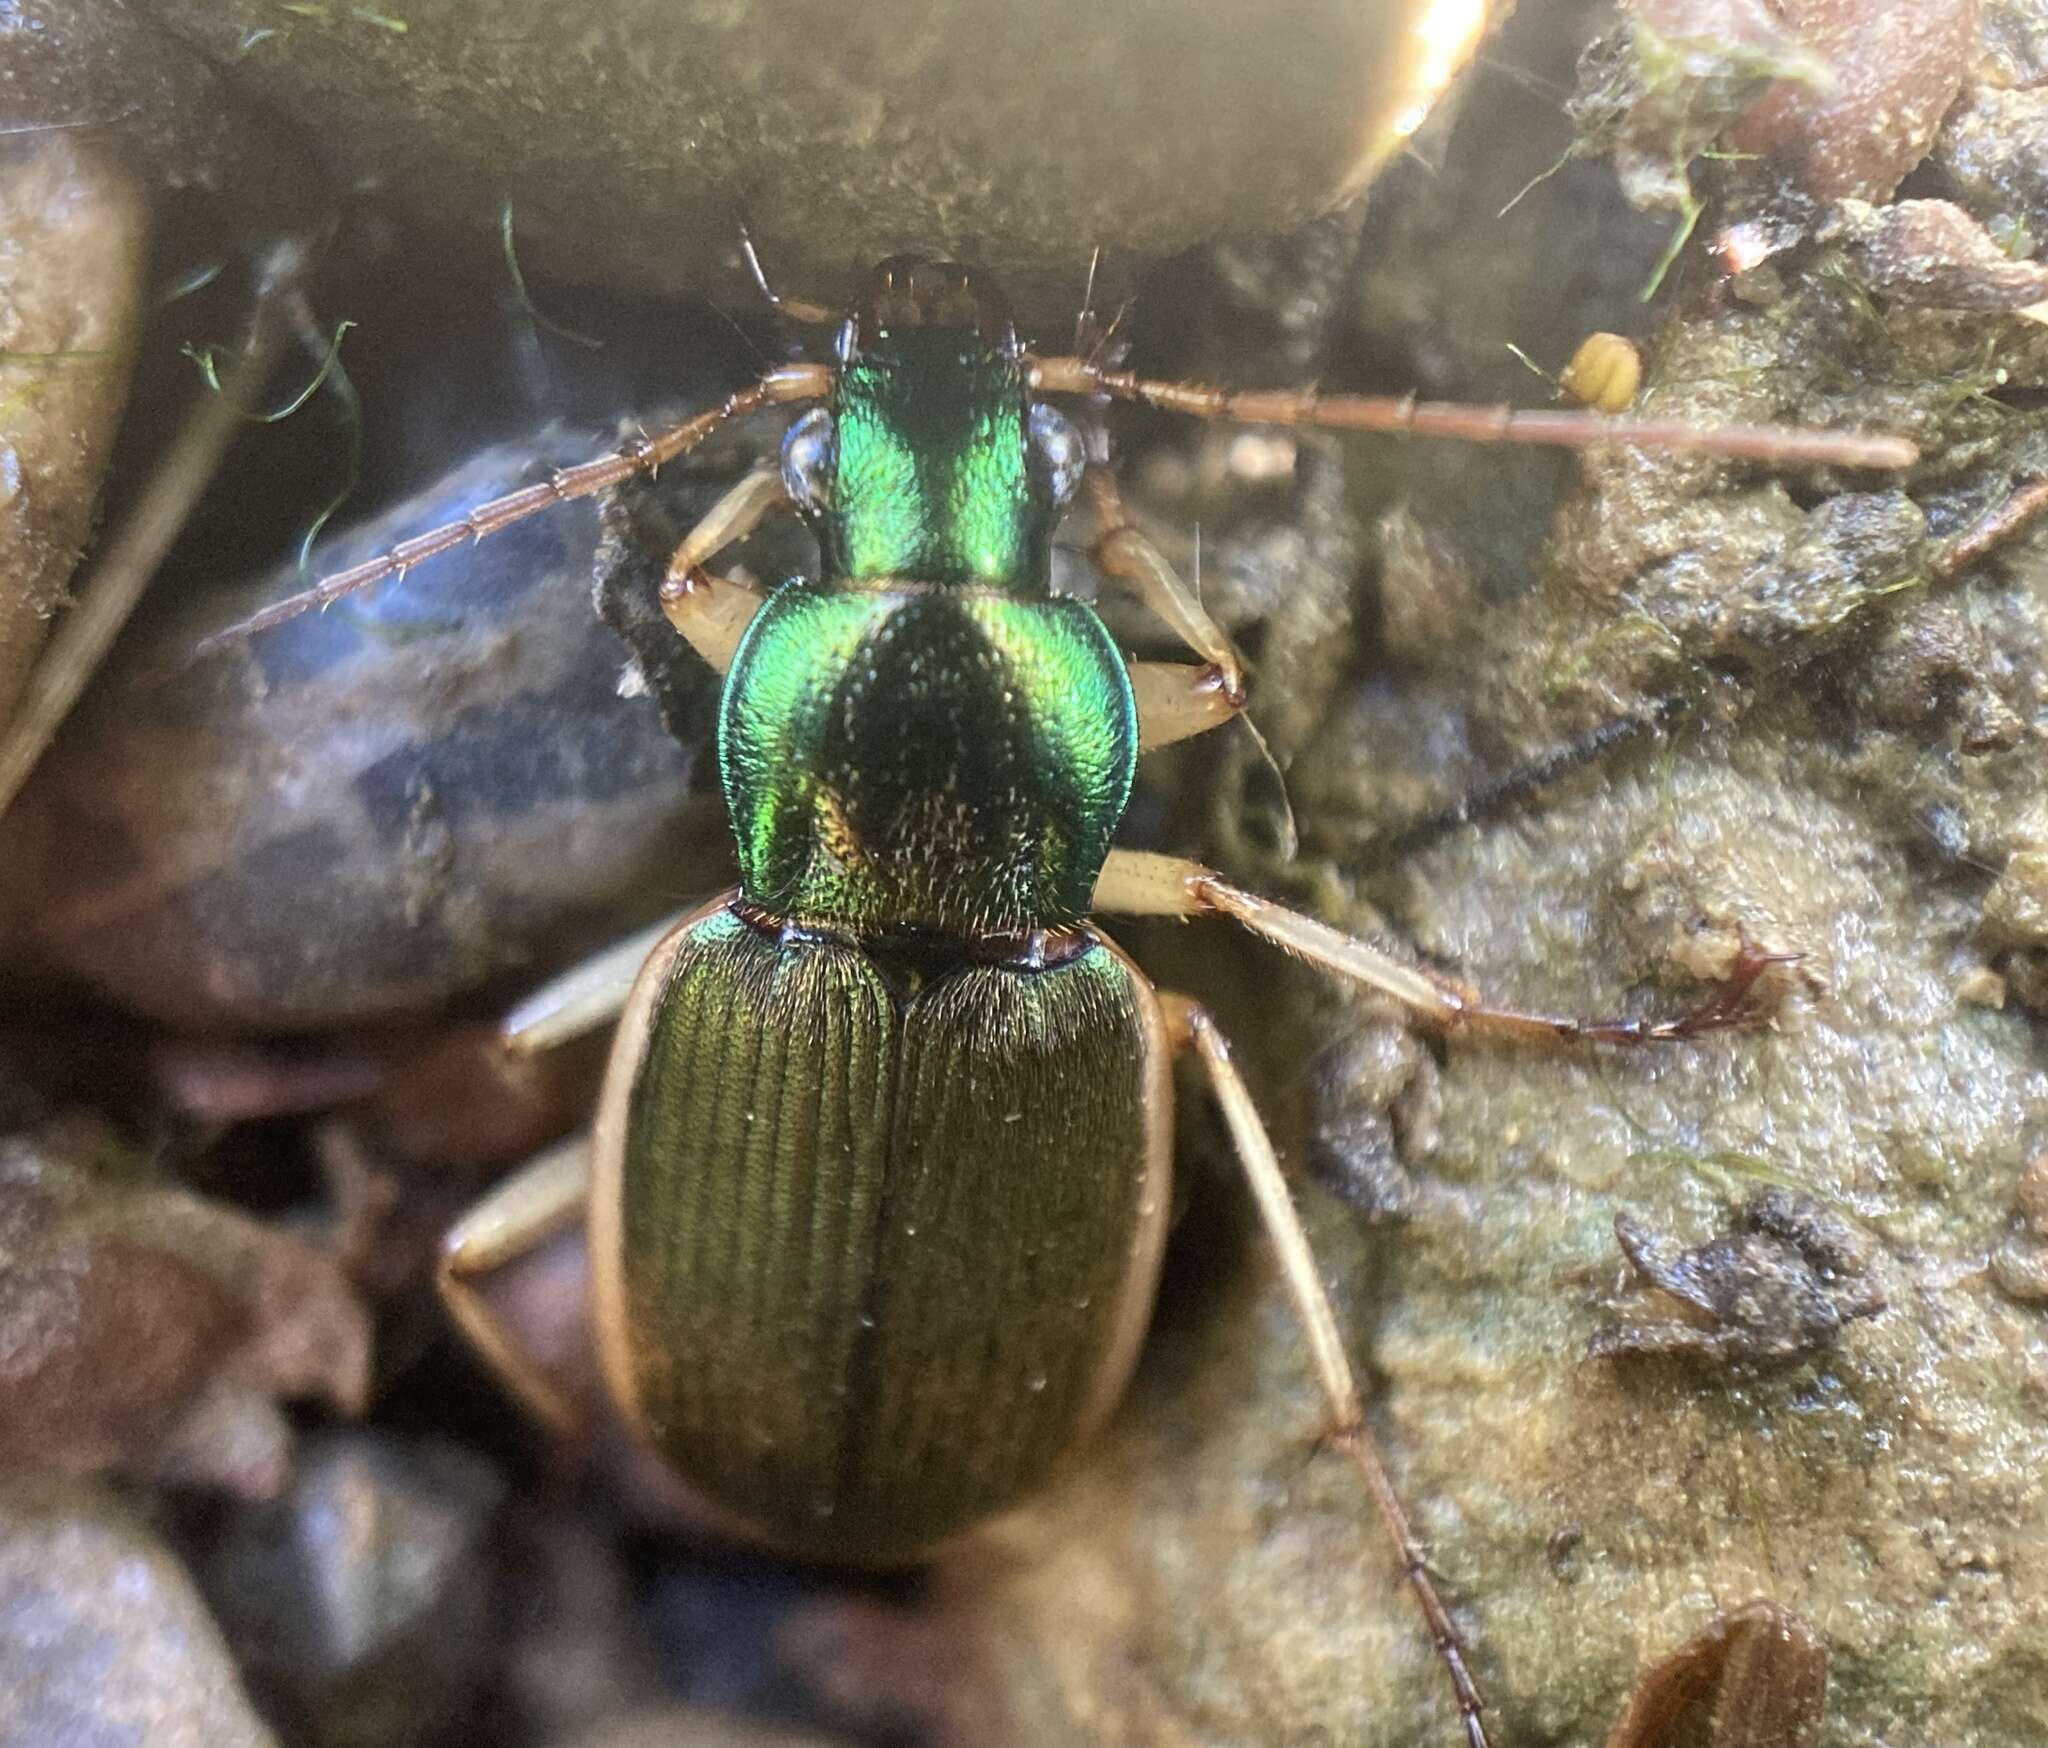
1604, 373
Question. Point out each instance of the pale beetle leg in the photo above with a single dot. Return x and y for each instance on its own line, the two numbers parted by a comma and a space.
712, 612
1140, 883
1178, 699
521, 1213
1192, 1031
583, 998
1125, 555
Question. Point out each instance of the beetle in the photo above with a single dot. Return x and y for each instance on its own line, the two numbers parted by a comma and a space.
877, 1188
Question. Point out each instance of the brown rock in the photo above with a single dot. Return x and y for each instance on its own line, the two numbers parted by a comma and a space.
360, 1600
74, 230
365, 812
1993, 153
1886, 75
1934, 254
147, 1331
104, 1642
632, 137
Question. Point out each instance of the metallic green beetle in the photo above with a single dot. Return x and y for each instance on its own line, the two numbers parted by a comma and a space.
876, 1195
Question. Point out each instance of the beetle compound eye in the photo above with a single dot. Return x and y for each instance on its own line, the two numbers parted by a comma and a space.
810, 457
1058, 455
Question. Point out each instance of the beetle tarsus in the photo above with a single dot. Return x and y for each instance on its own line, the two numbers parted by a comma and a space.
1727, 1005
1355, 1442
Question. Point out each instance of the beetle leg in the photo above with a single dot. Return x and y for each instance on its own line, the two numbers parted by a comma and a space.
1124, 554
1191, 1030
1139, 883
712, 611
515, 1218
1179, 699
583, 998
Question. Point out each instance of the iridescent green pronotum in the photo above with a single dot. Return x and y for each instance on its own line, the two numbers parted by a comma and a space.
876, 1191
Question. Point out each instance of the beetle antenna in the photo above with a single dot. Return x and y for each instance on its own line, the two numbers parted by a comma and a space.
797, 309
643, 455
1785, 445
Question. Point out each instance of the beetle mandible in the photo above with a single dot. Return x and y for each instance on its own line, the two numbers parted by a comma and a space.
878, 1183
